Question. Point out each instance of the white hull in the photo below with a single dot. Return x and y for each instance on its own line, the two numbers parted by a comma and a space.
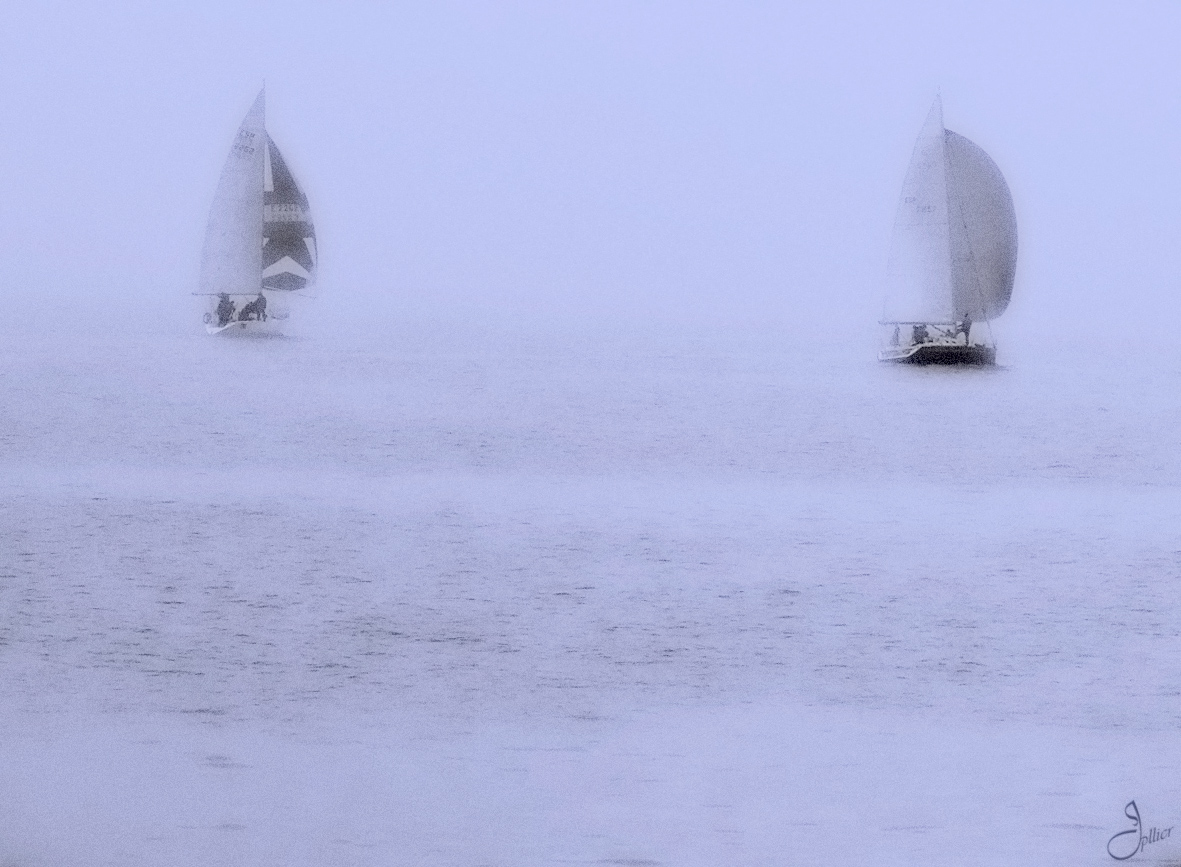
270, 328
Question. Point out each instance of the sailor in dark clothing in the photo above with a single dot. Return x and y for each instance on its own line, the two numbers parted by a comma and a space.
225, 310
918, 334
256, 309
966, 328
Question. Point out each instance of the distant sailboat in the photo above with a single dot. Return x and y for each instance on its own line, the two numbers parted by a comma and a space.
260, 244
953, 255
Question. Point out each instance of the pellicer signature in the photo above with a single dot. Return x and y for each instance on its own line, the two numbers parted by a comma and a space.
1125, 844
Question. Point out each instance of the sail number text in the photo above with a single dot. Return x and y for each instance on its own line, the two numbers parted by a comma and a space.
288, 213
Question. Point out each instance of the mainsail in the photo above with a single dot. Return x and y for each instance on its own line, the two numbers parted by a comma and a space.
232, 257
260, 234
954, 250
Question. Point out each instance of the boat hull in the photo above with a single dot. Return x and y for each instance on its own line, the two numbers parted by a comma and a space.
940, 353
249, 328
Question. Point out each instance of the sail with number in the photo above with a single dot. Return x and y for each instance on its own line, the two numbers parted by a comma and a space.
260, 242
953, 254
232, 258
289, 238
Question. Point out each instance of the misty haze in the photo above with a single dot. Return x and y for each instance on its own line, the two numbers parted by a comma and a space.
573, 518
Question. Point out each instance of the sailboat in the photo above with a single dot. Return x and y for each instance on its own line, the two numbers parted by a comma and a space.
260, 245
953, 255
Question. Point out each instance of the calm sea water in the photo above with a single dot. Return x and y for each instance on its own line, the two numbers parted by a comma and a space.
526, 594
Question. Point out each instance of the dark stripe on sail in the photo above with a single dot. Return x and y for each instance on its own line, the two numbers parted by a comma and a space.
287, 261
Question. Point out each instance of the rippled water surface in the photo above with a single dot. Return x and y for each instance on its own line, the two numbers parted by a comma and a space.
588, 595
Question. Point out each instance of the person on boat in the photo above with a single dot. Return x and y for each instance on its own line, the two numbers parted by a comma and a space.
966, 329
225, 310
918, 334
256, 309
894, 338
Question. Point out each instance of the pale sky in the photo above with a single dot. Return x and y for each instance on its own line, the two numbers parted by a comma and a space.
632, 159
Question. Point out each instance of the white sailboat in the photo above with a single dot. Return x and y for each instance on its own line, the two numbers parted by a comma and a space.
953, 255
260, 245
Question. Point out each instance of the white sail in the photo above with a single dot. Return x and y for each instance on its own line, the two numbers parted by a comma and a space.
918, 285
953, 254
231, 260
983, 231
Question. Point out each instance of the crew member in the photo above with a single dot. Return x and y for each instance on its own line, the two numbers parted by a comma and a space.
225, 310
966, 327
